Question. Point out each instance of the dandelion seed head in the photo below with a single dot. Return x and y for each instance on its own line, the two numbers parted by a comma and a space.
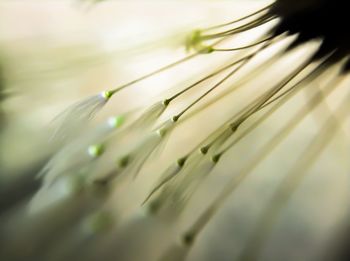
313, 19
86, 160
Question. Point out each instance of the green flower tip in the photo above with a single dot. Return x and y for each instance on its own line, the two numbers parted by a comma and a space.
106, 95
161, 132
95, 150
205, 49
187, 239
166, 102
154, 206
99, 222
175, 118
123, 161
193, 39
74, 184
234, 126
216, 158
181, 161
116, 122
204, 150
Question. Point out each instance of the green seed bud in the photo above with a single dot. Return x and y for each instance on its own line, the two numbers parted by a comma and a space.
95, 150
106, 95
116, 122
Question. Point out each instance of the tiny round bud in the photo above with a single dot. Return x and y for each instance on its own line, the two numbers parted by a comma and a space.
106, 95
194, 39
166, 102
116, 121
95, 150
161, 132
181, 161
204, 150
175, 118
216, 158
98, 222
123, 161
206, 49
